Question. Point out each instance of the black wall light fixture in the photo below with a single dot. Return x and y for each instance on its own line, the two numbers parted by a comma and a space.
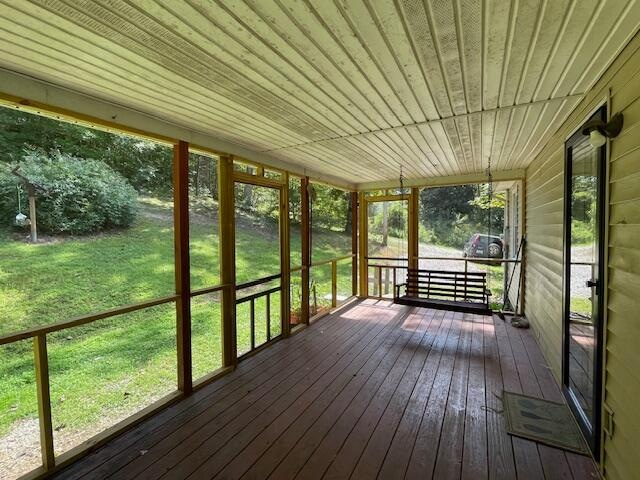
598, 131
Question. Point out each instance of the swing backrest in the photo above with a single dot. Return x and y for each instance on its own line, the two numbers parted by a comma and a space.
446, 285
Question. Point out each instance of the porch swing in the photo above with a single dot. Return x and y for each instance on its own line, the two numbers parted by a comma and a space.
458, 291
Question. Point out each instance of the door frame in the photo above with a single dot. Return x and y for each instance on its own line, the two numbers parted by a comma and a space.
282, 187
591, 433
364, 199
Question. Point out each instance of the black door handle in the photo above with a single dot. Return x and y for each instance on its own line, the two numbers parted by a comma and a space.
592, 283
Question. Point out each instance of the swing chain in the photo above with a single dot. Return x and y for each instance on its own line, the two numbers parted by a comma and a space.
490, 193
489, 206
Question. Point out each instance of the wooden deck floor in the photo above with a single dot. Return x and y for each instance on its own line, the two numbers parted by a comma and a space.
376, 390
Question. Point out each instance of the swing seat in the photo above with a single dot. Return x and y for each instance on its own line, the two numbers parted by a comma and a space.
457, 291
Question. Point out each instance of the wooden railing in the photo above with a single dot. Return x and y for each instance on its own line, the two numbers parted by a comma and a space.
378, 269
251, 298
41, 364
334, 273
84, 319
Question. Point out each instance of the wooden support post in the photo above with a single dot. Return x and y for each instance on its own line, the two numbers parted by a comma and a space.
268, 313
523, 233
44, 401
252, 322
362, 253
227, 252
32, 213
354, 243
379, 280
334, 284
305, 241
413, 228
395, 281
466, 270
181, 245
285, 260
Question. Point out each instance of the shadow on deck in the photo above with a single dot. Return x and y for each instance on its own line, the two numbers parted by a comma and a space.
374, 390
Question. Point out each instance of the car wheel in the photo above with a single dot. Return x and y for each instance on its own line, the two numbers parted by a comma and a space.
494, 250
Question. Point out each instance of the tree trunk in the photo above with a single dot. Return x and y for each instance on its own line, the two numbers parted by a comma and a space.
248, 192
213, 180
385, 223
32, 215
347, 223
198, 176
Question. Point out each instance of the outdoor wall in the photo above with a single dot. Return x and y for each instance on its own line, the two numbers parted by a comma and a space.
544, 218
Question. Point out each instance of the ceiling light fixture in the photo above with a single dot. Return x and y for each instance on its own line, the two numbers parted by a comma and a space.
598, 131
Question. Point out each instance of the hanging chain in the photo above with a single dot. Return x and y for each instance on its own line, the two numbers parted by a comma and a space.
402, 196
490, 192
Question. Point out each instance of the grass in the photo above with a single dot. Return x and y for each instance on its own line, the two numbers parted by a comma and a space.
112, 368
581, 305
107, 370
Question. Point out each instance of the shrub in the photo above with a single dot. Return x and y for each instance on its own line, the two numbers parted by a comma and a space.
454, 234
581, 232
396, 221
78, 196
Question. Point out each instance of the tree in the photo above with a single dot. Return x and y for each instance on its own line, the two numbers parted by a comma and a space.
452, 214
146, 165
329, 207
443, 204
385, 223
74, 195
490, 208
203, 176
295, 200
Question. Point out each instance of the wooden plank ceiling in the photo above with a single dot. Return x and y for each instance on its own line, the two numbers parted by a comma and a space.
348, 88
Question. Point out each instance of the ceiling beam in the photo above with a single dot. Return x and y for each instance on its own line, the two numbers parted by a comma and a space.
429, 122
497, 176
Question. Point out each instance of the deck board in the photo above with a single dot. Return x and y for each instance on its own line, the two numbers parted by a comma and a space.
373, 391
330, 405
474, 457
425, 448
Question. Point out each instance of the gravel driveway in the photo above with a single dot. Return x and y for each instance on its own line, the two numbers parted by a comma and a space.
581, 273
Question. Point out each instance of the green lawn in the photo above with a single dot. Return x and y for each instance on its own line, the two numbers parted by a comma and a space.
581, 305
105, 371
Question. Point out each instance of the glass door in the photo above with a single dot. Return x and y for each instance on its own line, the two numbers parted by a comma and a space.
583, 307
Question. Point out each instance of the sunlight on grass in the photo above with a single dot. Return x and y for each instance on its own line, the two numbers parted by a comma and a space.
97, 380
243, 325
206, 334
82, 276
344, 280
581, 305
20, 444
320, 288
105, 371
